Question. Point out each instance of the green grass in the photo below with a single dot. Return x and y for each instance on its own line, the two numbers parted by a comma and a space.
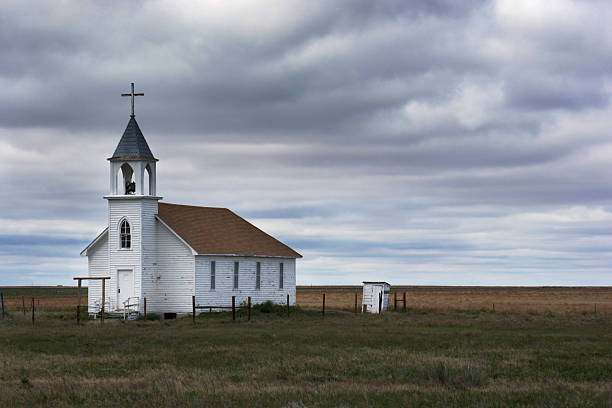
418, 358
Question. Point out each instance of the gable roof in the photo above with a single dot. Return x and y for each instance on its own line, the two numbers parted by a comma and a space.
219, 231
132, 144
95, 241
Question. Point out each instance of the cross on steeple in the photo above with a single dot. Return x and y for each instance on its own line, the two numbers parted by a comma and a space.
132, 94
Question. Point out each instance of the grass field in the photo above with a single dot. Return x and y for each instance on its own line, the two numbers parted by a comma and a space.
418, 358
523, 299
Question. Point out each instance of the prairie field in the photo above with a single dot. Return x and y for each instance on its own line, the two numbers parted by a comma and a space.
421, 357
515, 299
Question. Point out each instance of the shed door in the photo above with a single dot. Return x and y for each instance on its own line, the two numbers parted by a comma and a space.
375, 294
125, 287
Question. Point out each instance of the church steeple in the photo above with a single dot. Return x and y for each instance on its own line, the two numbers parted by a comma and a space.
134, 160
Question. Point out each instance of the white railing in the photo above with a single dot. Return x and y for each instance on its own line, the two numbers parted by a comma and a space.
98, 306
130, 307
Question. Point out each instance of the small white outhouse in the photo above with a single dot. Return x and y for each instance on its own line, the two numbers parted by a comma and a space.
372, 291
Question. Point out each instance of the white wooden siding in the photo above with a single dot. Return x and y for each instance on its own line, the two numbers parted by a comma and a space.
148, 248
172, 281
97, 259
119, 258
370, 295
224, 282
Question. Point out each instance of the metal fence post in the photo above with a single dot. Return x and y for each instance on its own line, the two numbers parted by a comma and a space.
249, 309
2, 301
233, 307
193, 307
323, 310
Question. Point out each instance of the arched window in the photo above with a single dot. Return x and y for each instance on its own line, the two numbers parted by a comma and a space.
125, 235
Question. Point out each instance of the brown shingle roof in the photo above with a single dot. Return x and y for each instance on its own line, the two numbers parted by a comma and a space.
218, 231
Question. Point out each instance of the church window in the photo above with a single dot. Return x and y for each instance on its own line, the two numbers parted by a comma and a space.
125, 236
212, 274
258, 276
236, 266
281, 276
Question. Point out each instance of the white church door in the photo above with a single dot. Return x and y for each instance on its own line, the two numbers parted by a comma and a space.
125, 286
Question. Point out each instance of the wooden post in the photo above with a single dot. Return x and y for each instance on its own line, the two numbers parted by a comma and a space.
355, 302
32, 311
595, 308
287, 305
365, 308
193, 308
404, 301
380, 295
233, 307
323, 310
23, 303
249, 309
103, 296
79, 302
145, 309
395, 301
2, 301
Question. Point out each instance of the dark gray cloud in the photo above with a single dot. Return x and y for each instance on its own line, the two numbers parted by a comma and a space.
434, 142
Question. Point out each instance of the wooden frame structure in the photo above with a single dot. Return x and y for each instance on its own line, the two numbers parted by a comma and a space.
80, 279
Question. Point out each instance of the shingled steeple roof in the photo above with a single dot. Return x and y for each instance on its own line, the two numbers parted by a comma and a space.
132, 144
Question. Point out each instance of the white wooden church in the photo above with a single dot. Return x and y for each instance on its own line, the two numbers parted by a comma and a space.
169, 252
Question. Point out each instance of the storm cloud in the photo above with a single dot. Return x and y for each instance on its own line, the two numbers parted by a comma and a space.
433, 142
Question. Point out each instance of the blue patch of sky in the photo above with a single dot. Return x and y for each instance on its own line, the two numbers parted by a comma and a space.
40, 246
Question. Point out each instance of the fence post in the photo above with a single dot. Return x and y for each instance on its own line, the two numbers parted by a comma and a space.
287, 305
233, 307
23, 304
193, 307
595, 308
323, 310
249, 309
395, 301
145, 309
493, 307
355, 302
380, 295
404, 301
79, 303
103, 296
2, 301
32, 311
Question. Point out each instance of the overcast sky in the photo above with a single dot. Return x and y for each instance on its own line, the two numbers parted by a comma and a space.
432, 142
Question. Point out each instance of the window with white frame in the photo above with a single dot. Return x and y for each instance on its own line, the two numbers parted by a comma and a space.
236, 271
125, 236
212, 274
281, 276
258, 276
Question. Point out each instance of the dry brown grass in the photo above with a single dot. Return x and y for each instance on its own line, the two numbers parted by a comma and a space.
516, 299
511, 299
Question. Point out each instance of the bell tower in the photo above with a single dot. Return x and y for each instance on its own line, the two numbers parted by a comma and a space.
132, 206
132, 166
